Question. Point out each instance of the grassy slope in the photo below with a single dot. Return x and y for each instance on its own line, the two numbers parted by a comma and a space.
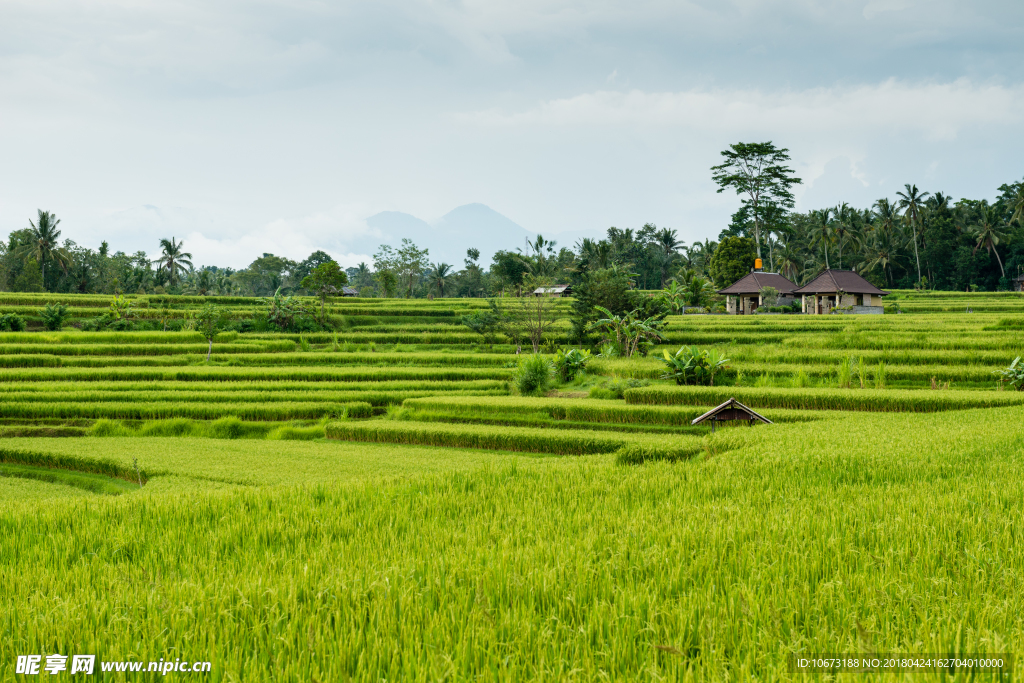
883, 532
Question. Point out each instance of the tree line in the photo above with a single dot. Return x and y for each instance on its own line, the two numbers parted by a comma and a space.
917, 239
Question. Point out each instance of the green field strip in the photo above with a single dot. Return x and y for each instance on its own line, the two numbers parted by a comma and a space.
873, 400
213, 374
310, 388
522, 439
87, 481
319, 397
157, 410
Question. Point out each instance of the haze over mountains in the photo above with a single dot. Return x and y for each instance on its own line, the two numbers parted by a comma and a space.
469, 226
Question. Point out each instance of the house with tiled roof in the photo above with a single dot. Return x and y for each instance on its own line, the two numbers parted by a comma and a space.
744, 296
842, 290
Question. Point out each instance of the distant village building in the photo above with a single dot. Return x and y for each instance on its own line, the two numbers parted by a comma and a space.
840, 289
557, 290
349, 291
744, 296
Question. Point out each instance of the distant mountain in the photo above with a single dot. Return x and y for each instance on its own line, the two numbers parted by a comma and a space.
470, 226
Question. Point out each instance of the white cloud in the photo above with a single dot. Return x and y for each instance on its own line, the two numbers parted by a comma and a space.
938, 110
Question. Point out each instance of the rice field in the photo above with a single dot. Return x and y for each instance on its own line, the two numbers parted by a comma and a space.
379, 503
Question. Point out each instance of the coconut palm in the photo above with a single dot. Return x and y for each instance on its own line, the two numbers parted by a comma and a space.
912, 202
821, 230
843, 227
173, 259
43, 243
670, 244
441, 272
988, 232
1017, 205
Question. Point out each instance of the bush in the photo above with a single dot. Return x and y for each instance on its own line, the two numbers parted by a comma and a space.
12, 322
532, 375
54, 316
616, 389
570, 363
694, 366
1013, 375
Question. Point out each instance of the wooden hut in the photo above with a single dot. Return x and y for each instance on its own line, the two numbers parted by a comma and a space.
843, 289
744, 295
730, 411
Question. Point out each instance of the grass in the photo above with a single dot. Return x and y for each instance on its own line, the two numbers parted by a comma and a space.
87, 481
471, 535
549, 569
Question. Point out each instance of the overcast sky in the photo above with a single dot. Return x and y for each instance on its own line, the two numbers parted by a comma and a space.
281, 125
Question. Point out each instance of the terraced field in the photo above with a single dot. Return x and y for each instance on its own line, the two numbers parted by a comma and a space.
377, 503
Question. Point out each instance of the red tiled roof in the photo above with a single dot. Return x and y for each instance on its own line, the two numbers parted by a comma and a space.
840, 281
752, 284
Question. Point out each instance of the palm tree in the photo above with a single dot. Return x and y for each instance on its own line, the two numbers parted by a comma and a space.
988, 232
43, 243
821, 230
912, 202
1017, 204
670, 243
441, 272
173, 259
842, 228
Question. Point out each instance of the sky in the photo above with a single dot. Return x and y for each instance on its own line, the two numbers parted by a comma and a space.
282, 125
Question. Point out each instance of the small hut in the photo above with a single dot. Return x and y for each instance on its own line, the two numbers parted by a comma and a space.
840, 289
556, 290
730, 411
349, 291
1018, 283
744, 295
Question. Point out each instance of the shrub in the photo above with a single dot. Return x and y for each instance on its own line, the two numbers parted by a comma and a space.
617, 387
54, 316
570, 363
532, 375
690, 365
12, 322
1013, 375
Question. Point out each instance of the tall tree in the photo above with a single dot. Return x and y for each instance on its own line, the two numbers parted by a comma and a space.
670, 244
821, 230
988, 232
843, 227
440, 272
43, 243
757, 171
173, 259
912, 203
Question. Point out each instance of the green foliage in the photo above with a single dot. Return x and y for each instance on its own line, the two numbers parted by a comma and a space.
733, 259
54, 316
486, 322
570, 363
532, 375
1012, 375
691, 365
630, 333
12, 322
327, 279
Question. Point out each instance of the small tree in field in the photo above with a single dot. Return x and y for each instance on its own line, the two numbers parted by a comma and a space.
326, 279
208, 323
769, 296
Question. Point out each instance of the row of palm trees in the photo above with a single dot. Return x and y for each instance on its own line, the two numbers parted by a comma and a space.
882, 238
45, 248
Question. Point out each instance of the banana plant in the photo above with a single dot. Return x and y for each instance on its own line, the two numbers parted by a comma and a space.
691, 365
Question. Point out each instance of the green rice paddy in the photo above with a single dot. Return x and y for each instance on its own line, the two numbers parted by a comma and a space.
382, 507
